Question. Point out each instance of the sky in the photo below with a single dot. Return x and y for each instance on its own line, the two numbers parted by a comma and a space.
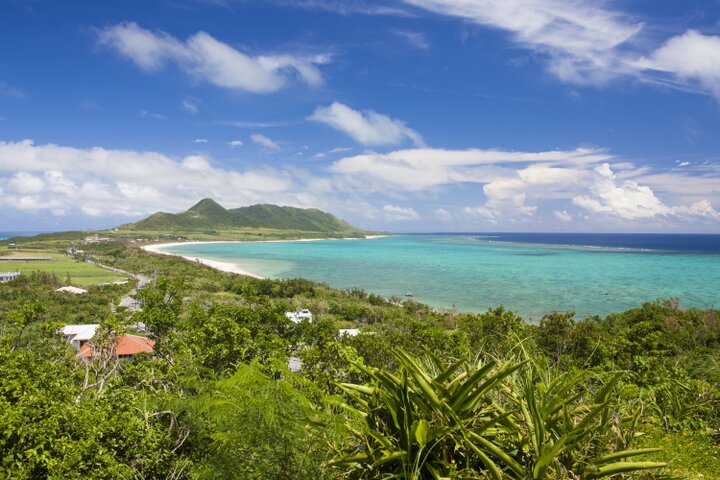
399, 115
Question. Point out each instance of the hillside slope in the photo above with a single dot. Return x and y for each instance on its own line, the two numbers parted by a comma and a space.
209, 215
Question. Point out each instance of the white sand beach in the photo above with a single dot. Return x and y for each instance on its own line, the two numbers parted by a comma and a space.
229, 266
222, 266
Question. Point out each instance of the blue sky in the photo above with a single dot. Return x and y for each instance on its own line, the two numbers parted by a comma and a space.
406, 115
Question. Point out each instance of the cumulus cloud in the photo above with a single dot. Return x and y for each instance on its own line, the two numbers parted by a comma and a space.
200, 140
235, 143
631, 201
204, 57
368, 128
102, 182
515, 184
395, 213
424, 168
264, 141
511, 186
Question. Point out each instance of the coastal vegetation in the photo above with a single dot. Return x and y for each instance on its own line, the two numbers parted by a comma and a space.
420, 393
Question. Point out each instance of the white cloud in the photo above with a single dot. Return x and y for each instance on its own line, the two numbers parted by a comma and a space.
631, 201
563, 216
340, 149
235, 143
249, 124
102, 182
264, 141
512, 187
515, 184
200, 140
206, 58
442, 214
586, 42
395, 213
416, 39
156, 116
691, 59
189, 105
580, 39
345, 7
368, 128
424, 168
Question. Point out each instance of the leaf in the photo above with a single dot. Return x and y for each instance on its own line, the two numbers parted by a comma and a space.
622, 467
421, 432
623, 454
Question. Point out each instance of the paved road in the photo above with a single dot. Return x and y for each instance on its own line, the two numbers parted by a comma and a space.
129, 299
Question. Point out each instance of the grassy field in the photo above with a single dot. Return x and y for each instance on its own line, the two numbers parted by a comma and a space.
688, 454
59, 241
81, 274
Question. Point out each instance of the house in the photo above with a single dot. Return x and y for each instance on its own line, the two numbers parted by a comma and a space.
79, 335
125, 348
73, 290
299, 315
349, 332
295, 364
7, 276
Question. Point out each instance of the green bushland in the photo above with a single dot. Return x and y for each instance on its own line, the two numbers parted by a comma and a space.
423, 394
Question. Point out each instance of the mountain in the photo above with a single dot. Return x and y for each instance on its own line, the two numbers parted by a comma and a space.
209, 215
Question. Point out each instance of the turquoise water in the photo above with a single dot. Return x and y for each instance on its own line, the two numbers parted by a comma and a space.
476, 272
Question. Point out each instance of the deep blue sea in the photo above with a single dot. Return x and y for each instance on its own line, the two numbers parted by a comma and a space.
531, 273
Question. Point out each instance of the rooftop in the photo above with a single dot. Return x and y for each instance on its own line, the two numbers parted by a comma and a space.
125, 345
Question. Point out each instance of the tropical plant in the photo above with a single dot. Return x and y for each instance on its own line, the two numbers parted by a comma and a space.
427, 422
566, 431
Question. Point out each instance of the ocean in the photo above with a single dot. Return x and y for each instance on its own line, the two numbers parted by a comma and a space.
532, 274
6, 235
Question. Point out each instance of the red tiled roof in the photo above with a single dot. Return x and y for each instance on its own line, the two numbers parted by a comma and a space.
125, 345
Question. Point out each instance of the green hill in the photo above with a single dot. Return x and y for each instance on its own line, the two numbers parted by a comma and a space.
209, 215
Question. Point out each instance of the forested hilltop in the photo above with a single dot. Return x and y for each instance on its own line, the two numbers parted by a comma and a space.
417, 394
208, 215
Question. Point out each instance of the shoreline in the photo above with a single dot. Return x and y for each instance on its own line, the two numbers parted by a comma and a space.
230, 267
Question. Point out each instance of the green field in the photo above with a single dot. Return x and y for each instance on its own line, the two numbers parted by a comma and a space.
81, 274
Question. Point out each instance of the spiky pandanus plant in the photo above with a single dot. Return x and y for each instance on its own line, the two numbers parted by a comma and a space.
566, 431
421, 425
480, 420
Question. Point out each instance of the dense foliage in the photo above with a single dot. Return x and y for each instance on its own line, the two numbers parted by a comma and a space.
421, 394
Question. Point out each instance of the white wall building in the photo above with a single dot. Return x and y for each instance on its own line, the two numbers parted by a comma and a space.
79, 335
7, 276
299, 315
